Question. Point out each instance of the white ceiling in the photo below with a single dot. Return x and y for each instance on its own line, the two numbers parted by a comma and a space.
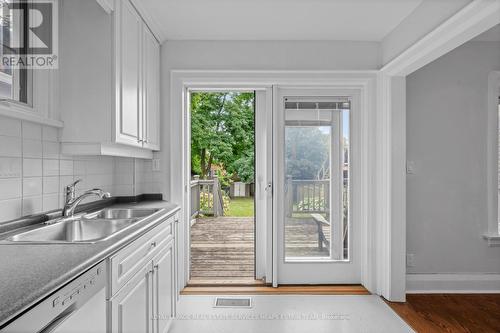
492, 35
356, 20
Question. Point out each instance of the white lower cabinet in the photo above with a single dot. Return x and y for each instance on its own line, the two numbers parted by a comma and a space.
146, 302
130, 309
163, 289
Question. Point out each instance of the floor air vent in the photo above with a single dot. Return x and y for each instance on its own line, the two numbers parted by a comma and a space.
233, 302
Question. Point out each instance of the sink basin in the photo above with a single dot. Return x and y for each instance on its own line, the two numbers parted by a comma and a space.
119, 213
74, 231
88, 228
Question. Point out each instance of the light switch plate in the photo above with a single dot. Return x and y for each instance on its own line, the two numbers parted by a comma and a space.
410, 167
410, 260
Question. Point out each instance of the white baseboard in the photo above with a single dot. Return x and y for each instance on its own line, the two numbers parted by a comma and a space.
452, 283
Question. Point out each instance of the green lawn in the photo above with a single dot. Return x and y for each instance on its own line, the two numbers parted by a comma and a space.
240, 207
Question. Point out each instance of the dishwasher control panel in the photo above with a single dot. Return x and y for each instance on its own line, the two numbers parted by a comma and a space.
61, 304
87, 283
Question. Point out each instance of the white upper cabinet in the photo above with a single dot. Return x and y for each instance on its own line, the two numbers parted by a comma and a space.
128, 26
151, 89
110, 81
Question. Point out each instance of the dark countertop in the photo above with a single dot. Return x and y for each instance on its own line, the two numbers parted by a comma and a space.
30, 272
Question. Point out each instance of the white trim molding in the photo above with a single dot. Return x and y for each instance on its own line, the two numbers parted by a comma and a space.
492, 239
364, 81
492, 236
453, 283
107, 5
474, 19
21, 111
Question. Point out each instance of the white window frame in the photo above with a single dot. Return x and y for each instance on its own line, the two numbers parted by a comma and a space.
492, 235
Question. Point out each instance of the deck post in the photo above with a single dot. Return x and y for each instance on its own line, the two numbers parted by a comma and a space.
289, 197
216, 198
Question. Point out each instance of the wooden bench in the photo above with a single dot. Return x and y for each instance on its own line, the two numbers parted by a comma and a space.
320, 221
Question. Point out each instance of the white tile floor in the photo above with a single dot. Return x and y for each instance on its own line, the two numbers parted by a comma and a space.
290, 314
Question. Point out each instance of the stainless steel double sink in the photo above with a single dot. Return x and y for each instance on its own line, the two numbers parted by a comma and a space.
84, 228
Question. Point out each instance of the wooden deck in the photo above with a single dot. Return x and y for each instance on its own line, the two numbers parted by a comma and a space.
222, 248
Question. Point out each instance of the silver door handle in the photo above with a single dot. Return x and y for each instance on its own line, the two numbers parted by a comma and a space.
269, 187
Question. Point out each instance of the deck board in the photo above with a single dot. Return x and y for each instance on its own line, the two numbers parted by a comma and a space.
222, 248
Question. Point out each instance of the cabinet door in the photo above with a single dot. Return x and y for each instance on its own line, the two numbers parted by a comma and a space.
151, 69
129, 117
163, 290
131, 308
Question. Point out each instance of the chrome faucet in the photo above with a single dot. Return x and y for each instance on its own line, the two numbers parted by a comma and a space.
71, 201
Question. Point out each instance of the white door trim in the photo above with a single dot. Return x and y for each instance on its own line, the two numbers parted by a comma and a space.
363, 81
474, 19
383, 268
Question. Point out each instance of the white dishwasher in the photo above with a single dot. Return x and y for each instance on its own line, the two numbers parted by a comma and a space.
78, 307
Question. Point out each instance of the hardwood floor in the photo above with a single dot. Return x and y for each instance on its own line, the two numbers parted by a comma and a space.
281, 290
458, 313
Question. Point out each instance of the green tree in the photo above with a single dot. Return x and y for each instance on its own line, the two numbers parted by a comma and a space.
222, 133
307, 153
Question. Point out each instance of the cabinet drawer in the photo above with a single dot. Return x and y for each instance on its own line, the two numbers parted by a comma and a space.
129, 260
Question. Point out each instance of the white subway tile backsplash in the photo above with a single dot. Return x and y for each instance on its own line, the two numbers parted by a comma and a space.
32, 205
32, 167
10, 127
66, 167
67, 180
10, 209
51, 185
79, 167
32, 131
50, 134
123, 179
32, 148
32, 186
50, 202
10, 167
123, 190
10, 188
124, 165
51, 150
10, 146
51, 167
34, 173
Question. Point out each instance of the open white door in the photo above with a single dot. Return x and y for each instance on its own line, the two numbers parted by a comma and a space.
316, 239
263, 184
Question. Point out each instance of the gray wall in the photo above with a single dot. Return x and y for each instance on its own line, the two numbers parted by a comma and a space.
446, 138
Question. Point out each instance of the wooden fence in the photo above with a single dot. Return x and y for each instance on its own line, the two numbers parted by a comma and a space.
206, 197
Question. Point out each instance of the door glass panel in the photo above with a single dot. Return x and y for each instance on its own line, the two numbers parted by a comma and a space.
316, 178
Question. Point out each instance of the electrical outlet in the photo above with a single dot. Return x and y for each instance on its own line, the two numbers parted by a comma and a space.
156, 164
410, 260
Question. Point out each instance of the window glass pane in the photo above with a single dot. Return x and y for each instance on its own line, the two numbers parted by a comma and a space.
317, 182
15, 83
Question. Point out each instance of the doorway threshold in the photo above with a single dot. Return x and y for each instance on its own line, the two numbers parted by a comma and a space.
355, 289
224, 282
